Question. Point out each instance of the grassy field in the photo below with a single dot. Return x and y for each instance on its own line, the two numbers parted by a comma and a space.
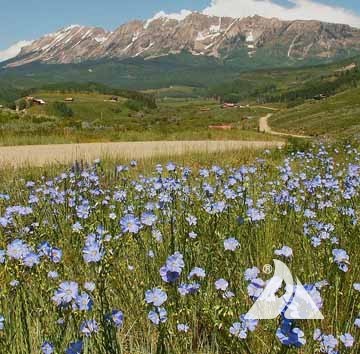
94, 120
40, 155
337, 115
87, 248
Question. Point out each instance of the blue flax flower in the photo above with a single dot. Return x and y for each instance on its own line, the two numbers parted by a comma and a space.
158, 315
89, 327
289, 335
83, 302
155, 296
66, 292
47, 348
75, 348
131, 224
116, 317
93, 252
347, 339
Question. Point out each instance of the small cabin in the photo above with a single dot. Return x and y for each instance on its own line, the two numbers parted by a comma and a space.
320, 97
39, 101
35, 101
69, 99
228, 105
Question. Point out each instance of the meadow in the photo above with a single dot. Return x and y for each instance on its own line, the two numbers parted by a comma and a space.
94, 119
167, 255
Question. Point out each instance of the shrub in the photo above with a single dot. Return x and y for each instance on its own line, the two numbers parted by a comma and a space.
62, 110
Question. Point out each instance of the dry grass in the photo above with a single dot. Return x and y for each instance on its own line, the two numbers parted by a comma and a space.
41, 155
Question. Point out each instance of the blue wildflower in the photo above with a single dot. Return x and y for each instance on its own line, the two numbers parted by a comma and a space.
255, 215
31, 259
148, 219
251, 273
221, 284
88, 327
231, 244
155, 296
66, 292
89, 286
341, 258
240, 329
131, 224
158, 315
47, 348
17, 249
2, 256
83, 302
173, 267
93, 252
116, 317
55, 255
197, 272
285, 251
182, 327
347, 339
75, 348
289, 335
53, 274
188, 289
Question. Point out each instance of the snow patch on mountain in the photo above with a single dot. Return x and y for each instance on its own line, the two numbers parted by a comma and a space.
13, 50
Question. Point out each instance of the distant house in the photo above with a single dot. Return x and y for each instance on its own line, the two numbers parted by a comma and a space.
69, 99
113, 99
320, 97
34, 100
221, 127
39, 101
228, 105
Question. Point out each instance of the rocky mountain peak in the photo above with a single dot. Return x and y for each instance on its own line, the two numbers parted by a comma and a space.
196, 33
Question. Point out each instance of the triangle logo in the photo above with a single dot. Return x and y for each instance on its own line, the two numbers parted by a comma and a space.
295, 304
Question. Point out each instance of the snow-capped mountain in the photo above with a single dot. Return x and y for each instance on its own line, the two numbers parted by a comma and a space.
197, 34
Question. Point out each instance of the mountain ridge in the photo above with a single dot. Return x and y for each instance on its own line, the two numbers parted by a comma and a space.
198, 34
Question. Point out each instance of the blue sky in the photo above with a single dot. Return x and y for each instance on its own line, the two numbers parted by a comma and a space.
25, 20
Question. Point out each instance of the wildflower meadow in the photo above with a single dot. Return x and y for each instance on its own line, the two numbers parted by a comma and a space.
125, 260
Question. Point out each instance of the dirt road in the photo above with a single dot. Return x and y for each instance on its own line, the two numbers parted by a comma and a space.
265, 128
40, 155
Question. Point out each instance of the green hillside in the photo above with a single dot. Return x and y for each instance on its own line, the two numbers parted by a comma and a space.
135, 74
290, 86
172, 70
92, 117
337, 115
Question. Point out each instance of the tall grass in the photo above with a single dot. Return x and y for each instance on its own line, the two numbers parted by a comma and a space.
266, 203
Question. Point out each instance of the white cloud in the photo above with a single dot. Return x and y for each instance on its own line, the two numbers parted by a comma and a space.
300, 9
13, 51
172, 16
